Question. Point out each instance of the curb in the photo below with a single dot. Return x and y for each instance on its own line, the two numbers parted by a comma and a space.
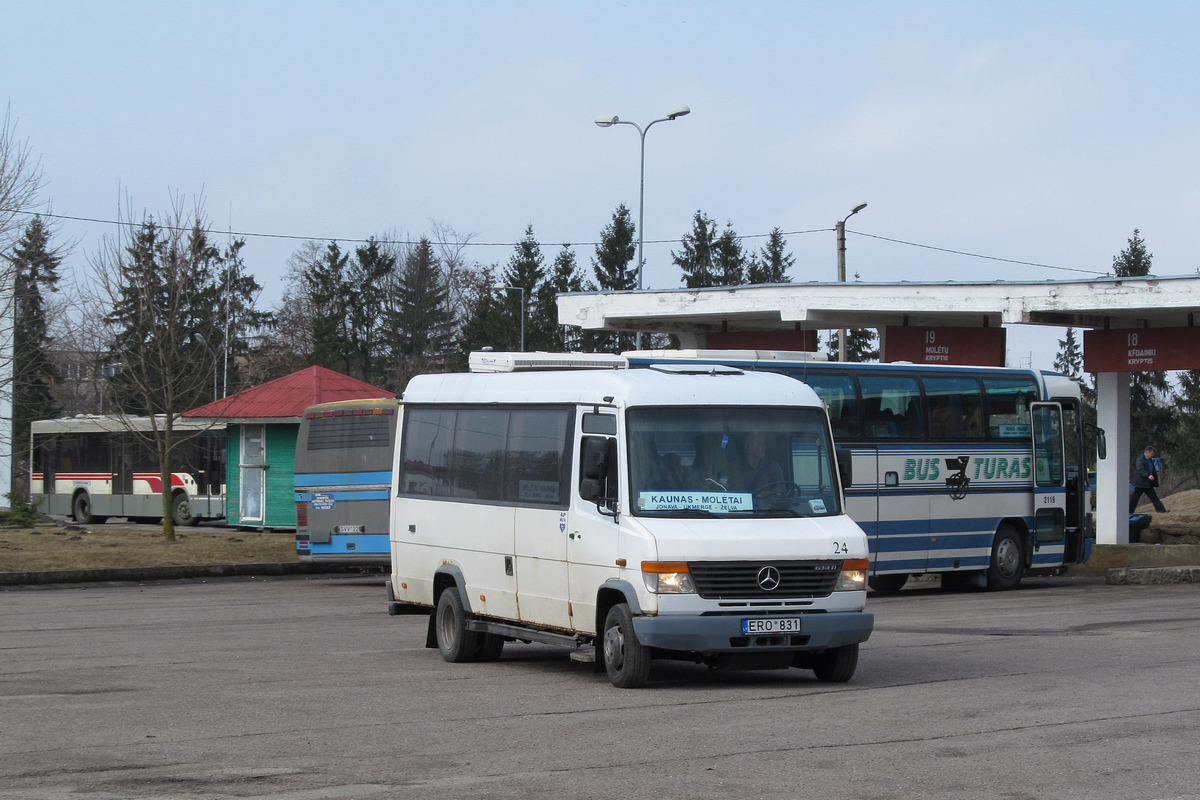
138, 574
1126, 576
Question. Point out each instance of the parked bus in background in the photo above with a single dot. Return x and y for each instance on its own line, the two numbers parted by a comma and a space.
343, 477
972, 473
95, 467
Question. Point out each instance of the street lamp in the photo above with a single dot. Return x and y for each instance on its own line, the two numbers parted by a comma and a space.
841, 248
199, 339
608, 122
503, 287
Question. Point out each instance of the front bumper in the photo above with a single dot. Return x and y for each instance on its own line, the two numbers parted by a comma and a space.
723, 633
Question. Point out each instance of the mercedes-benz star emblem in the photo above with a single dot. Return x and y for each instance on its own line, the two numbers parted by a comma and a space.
768, 579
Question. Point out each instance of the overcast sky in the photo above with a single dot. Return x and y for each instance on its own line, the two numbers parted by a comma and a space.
1035, 132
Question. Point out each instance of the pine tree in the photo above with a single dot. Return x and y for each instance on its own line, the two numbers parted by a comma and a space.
489, 323
772, 263
369, 282
35, 264
695, 258
422, 328
526, 271
729, 261
565, 276
323, 282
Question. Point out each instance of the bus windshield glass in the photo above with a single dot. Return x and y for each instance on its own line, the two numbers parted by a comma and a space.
732, 461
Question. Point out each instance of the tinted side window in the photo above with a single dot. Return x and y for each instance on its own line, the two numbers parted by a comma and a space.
891, 407
955, 408
491, 454
838, 393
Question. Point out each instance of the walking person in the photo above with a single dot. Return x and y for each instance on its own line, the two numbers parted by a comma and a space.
1145, 481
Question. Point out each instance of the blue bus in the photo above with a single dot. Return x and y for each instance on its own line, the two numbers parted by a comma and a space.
972, 473
343, 482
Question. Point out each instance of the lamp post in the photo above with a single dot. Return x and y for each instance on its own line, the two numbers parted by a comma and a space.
503, 287
199, 339
608, 122
841, 250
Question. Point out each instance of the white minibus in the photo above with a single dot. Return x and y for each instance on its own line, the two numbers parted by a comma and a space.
675, 512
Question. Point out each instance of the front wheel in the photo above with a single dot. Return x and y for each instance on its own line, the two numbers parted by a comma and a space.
81, 510
1008, 560
454, 641
181, 510
626, 660
836, 665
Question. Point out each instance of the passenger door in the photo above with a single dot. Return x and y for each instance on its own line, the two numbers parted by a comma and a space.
590, 531
1049, 474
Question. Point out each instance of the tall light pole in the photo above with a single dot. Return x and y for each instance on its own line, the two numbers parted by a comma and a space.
841, 248
199, 339
504, 287
608, 122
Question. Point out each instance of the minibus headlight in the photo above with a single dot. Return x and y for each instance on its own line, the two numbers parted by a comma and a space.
853, 577
667, 577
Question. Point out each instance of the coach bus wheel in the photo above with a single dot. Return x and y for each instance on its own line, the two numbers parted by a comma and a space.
626, 660
886, 584
836, 665
1008, 560
456, 643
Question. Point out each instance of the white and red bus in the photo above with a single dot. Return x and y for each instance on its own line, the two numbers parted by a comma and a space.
95, 467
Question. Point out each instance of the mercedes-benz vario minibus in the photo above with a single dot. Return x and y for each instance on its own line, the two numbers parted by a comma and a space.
678, 512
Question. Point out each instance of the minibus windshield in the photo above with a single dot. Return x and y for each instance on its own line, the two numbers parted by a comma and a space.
731, 461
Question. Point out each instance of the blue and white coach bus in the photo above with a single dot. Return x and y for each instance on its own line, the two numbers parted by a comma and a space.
343, 482
974, 473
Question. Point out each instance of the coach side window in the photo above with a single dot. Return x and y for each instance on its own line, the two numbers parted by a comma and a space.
955, 408
838, 393
891, 407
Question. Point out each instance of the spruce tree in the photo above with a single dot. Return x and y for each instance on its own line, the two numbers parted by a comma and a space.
35, 264
615, 269
526, 271
729, 262
422, 329
323, 282
772, 263
370, 281
565, 276
695, 258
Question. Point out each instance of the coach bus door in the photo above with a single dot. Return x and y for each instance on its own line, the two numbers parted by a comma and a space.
121, 453
1049, 475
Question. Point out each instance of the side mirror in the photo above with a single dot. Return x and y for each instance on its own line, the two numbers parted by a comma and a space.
595, 469
1101, 442
845, 462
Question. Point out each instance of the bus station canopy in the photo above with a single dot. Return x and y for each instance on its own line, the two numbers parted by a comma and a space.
1165, 304
1099, 303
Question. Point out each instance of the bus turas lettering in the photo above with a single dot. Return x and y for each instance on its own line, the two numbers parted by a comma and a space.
921, 469
1003, 468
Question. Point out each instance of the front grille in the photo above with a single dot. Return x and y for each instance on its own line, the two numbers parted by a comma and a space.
718, 580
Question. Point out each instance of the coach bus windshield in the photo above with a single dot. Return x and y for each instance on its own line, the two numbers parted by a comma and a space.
732, 461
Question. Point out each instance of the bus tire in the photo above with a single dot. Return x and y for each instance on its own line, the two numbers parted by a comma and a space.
81, 510
1008, 560
181, 511
626, 660
887, 584
454, 641
837, 664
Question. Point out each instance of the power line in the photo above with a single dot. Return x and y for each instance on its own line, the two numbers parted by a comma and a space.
352, 240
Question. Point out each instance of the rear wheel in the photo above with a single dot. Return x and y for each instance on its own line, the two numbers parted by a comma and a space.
1008, 559
836, 665
454, 641
626, 660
